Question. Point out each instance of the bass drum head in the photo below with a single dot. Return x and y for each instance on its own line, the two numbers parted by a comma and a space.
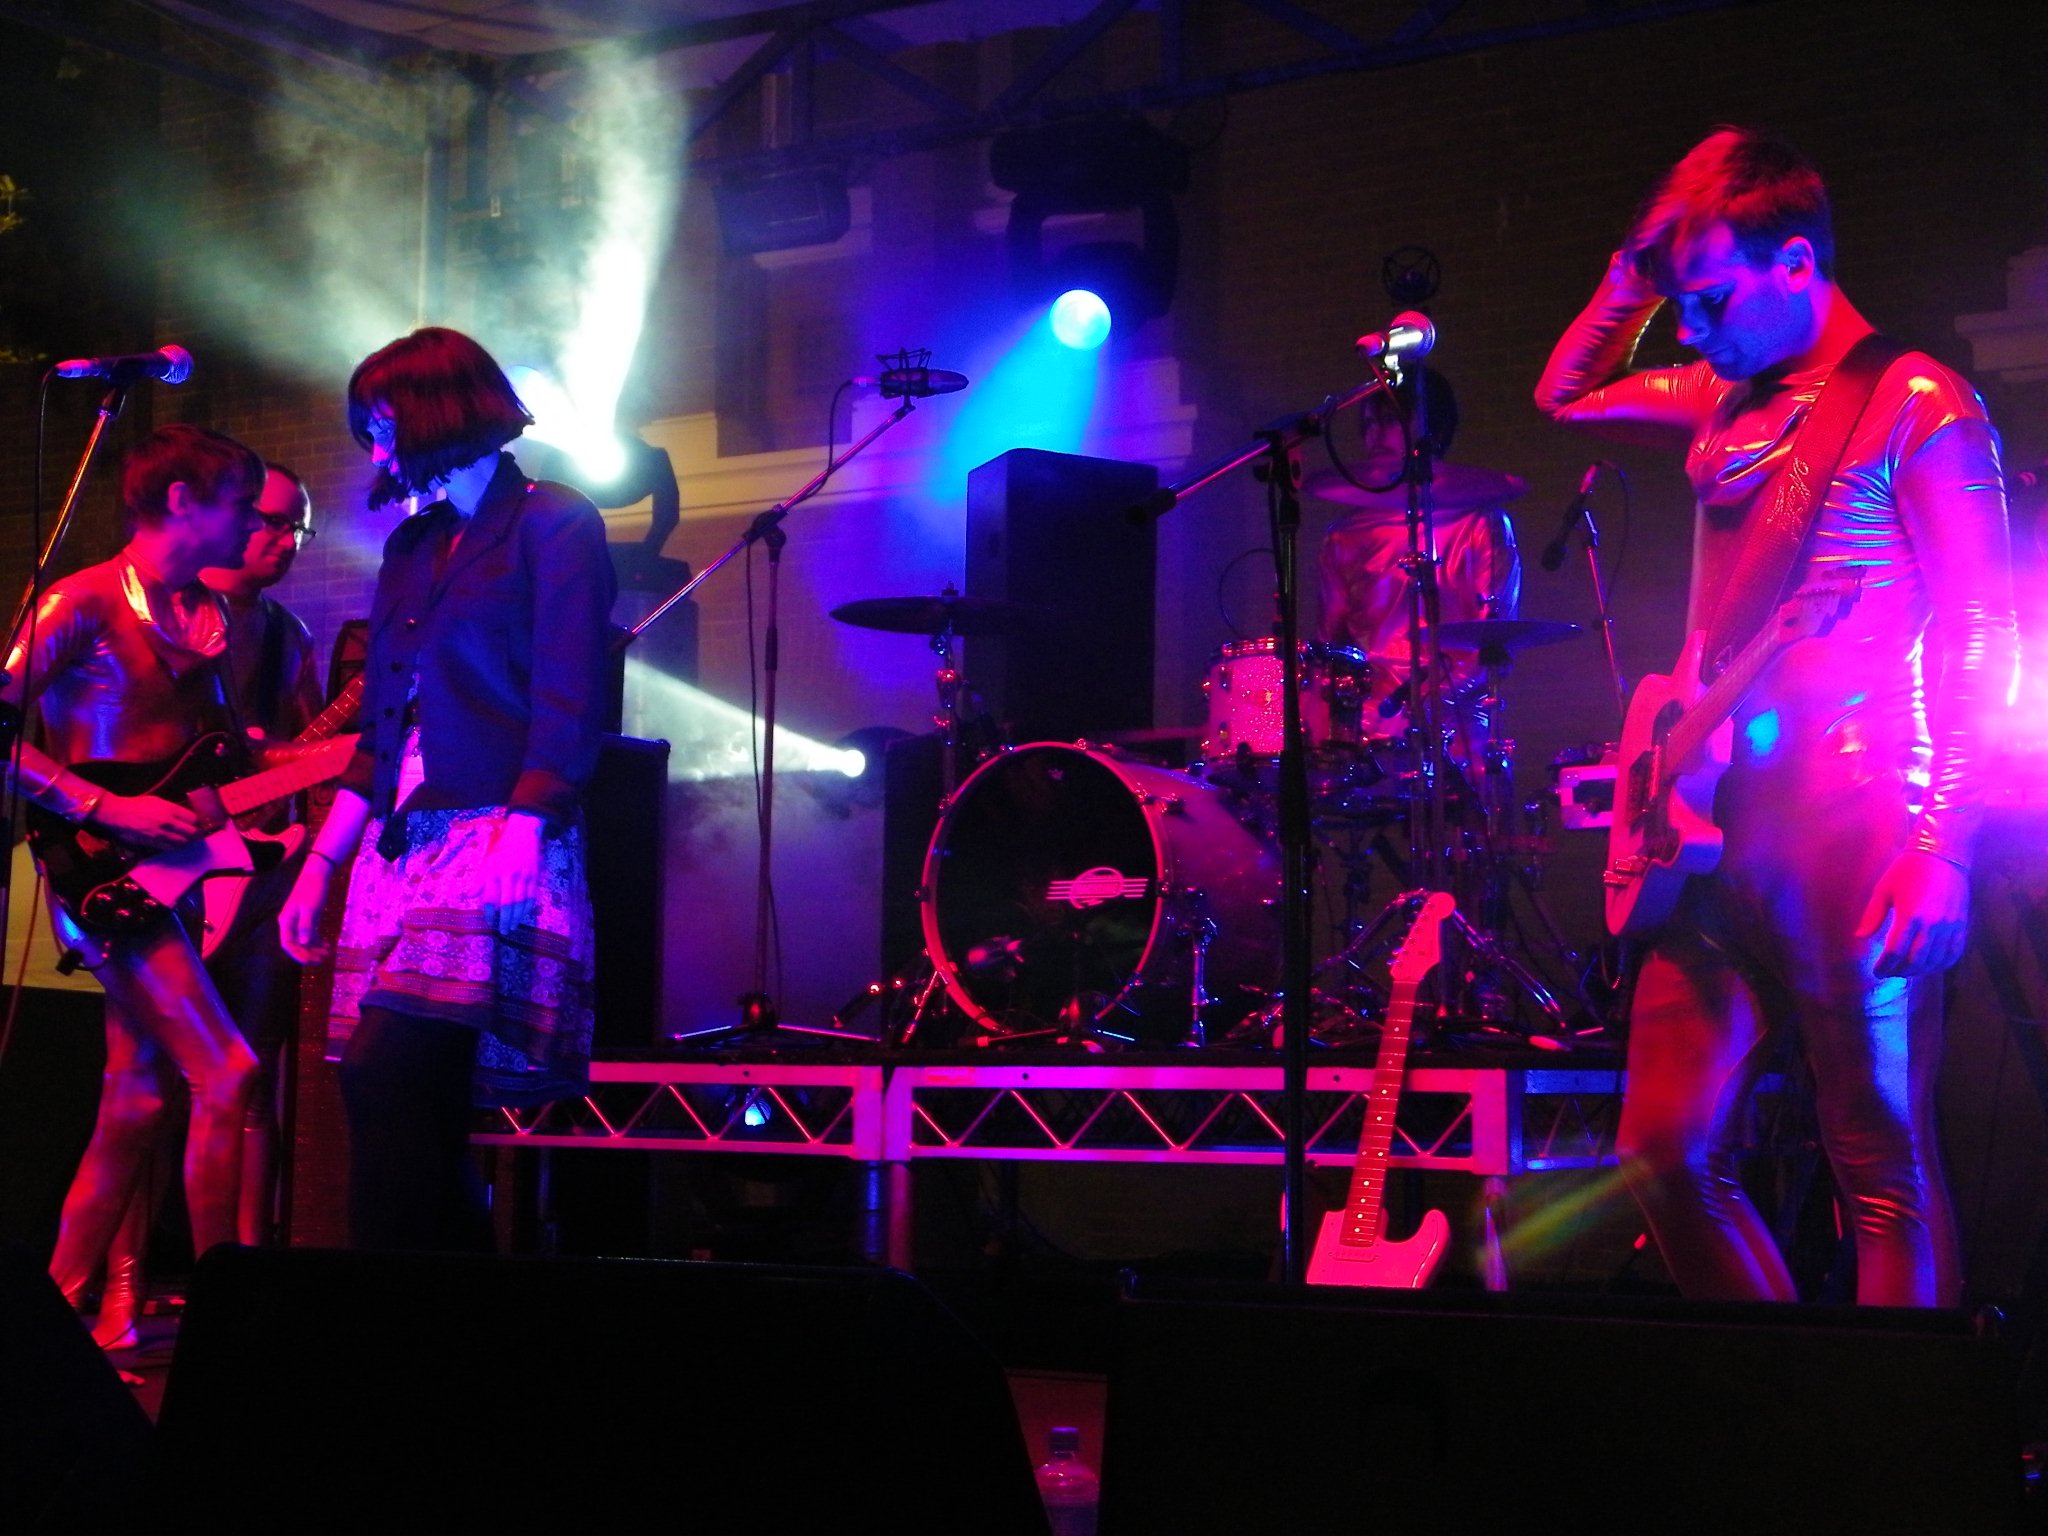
1061, 886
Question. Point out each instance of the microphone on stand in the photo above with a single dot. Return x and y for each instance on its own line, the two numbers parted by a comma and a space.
917, 382
170, 363
1408, 334
1553, 552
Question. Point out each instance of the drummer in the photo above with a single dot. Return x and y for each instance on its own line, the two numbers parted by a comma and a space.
1365, 588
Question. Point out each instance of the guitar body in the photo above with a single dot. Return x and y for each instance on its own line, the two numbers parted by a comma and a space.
112, 888
1384, 1263
1663, 831
223, 897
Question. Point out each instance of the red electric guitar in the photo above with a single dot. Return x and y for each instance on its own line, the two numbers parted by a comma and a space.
1676, 743
1352, 1248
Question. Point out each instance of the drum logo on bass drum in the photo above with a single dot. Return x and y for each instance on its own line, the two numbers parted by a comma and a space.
1092, 887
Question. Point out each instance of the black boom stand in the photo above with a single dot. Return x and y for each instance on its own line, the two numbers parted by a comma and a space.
1277, 449
757, 1007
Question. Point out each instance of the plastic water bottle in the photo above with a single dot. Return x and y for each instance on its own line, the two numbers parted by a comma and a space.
1068, 1485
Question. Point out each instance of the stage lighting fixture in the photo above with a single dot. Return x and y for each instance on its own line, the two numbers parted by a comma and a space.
780, 213
1080, 320
1094, 166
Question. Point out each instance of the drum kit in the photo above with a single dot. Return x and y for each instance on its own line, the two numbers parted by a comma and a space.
1083, 893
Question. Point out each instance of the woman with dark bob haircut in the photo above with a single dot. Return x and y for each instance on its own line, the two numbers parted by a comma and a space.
463, 970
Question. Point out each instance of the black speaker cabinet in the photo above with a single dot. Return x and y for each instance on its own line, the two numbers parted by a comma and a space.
358, 1391
1298, 1410
1049, 530
624, 855
73, 1443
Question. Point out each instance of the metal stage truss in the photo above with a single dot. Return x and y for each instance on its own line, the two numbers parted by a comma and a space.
1494, 1122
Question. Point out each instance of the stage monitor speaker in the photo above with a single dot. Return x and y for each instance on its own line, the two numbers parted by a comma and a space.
73, 1442
470, 1392
1306, 1411
1049, 530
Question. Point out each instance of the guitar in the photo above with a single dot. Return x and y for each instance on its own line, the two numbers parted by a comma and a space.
112, 888
1352, 1248
223, 895
1676, 742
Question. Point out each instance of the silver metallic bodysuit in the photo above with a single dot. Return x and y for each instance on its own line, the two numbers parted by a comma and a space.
1844, 757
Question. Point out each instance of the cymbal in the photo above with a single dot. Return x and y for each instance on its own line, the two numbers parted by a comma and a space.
933, 615
1507, 634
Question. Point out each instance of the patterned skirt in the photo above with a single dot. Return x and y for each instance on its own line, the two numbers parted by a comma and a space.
414, 939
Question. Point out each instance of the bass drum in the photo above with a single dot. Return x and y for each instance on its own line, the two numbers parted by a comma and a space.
1066, 888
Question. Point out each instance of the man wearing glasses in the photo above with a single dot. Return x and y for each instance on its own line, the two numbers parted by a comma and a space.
270, 651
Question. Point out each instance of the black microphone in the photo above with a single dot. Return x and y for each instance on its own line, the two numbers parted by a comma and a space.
917, 383
1408, 334
1553, 552
171, 363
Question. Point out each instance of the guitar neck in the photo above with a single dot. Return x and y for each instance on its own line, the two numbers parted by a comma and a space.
1363, 1209
303, 772
336, 714
1689, 736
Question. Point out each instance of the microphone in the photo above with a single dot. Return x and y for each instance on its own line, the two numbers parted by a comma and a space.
1408, 334
2028, 479
1553, 552
917, 383
171, 363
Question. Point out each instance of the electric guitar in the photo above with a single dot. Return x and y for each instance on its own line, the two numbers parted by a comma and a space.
224, 894
112, 888
1352, 1248
1676, 742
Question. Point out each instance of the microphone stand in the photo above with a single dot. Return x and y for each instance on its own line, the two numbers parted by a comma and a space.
1606, 615
111, 405
1278, 447
757, 1008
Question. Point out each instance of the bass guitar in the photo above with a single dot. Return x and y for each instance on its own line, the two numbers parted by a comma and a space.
1676, 741
223, 895
1352, 1248
113, 888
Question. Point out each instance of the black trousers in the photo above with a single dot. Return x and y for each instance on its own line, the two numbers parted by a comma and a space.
405, 1082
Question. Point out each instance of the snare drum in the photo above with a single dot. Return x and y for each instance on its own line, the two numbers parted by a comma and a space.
1244, 705
1068, 886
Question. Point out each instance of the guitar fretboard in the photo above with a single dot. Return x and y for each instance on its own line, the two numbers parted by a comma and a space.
302, 772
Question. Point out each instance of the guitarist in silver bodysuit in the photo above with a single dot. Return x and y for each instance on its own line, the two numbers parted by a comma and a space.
270, 672
120, 663
1855, 791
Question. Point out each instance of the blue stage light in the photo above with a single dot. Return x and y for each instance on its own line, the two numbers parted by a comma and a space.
1080, 320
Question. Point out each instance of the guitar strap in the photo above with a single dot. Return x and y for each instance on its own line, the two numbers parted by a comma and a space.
1793, 500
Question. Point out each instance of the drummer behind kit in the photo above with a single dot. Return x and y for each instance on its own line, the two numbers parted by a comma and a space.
1073, 893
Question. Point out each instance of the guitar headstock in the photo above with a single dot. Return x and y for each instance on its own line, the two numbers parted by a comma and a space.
1424, 946
1816, 609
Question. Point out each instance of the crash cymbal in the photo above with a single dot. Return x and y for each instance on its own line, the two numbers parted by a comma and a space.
933, 615
1506, 634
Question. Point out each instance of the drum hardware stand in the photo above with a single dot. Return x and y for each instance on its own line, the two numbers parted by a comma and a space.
1276, 448
1201, 934
757, 1008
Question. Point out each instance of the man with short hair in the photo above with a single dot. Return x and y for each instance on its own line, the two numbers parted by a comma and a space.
120, 661
1856, 786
